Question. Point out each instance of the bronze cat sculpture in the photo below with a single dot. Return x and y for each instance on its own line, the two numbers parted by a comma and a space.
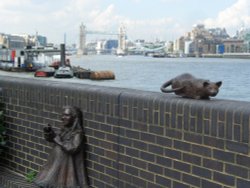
186, 85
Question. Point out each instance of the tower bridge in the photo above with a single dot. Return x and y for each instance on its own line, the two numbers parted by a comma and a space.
84, 32
122, 48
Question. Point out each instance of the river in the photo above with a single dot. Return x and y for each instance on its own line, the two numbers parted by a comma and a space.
148, 73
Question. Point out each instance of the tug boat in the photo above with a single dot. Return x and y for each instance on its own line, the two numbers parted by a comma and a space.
64, 72
56, 64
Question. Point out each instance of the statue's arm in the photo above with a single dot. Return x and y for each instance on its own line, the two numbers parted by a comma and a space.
49, 133
72, 145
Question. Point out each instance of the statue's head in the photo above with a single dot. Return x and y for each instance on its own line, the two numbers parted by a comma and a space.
71, 115
68, 116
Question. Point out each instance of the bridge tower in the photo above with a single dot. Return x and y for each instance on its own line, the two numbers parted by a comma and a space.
121, 50
82, 40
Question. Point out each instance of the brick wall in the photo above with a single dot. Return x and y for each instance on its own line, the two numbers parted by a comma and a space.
134, 138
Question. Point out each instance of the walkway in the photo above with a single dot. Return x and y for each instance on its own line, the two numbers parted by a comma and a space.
9, 179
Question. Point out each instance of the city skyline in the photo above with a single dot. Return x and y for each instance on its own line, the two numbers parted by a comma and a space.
143, 19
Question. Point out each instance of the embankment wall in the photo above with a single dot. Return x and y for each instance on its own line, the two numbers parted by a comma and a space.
134, 138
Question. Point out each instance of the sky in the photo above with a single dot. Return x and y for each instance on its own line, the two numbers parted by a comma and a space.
143, 19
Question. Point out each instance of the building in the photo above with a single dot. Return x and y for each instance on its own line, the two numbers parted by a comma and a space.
203, 41
244, 34
200, 32
111, 44
16, 41
189, 48
41, 40
179, 45
106, 46
233, 45
12, 41
218, 33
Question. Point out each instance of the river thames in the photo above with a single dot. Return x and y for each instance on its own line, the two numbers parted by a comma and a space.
148, 73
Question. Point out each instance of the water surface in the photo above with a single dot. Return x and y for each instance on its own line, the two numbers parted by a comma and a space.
148, 73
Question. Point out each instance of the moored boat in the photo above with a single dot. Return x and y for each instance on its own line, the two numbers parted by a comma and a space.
45, 72
64, 72
82, 73
159, 55
102, 75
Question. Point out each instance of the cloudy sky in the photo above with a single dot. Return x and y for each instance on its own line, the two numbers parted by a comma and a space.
143, 19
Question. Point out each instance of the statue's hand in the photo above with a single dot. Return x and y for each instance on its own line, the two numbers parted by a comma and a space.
49, 133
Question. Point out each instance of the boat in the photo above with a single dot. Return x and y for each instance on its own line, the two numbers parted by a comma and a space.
45, 72
7, 66
82, 73
64, 72
158, 55
36, 59
56, 64
120, 52
102, 75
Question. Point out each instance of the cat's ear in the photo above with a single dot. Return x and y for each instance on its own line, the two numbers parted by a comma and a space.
219, 83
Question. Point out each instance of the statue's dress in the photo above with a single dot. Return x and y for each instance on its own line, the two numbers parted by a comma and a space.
65, 165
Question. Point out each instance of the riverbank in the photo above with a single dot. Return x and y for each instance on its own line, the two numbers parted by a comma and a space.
228, 55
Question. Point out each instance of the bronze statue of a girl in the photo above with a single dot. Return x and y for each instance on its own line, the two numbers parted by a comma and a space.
65, 167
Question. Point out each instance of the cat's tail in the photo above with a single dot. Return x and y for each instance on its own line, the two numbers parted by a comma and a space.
166, 84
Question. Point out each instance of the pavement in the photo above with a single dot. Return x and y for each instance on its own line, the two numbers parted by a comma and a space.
10, 179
